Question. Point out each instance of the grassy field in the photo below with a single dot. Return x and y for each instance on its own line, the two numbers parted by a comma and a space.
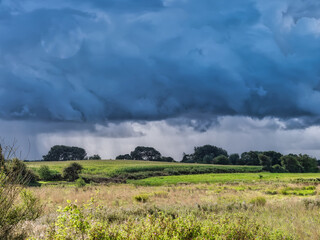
235, 206
228, 178
223, 210
139, 169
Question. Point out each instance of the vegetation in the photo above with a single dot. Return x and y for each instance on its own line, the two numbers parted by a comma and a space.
64, 153
146, 154
228, 178
71, 173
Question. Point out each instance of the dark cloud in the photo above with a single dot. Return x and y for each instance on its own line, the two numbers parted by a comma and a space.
120, 60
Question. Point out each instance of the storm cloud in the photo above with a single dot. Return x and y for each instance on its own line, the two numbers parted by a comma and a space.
121, 60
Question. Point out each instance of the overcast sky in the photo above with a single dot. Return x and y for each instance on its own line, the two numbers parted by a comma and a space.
108, 75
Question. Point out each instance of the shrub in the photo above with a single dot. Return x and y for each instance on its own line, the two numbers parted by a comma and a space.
44, 173
71, 173
12, 211
23, 175
80, 182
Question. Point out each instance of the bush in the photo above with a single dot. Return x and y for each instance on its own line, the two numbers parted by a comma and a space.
44, 173
12, 211
17, 168
71, 173
80, 182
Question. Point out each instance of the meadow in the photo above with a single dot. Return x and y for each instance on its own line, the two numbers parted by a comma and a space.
128, 169
236, 205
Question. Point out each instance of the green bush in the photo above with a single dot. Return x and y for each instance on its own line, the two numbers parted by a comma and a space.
80, 182
16, 205
71, 173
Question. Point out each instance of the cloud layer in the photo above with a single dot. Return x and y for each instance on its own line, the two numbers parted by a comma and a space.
123, 60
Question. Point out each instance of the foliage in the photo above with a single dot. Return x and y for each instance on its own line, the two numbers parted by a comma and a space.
71, 173
204, 153
142, 197
124, 157
19, 169
250, 158
80, 222
64, 153
95, 157
47, 175
223, 160
80, 182
234, 159
12, 211
291, 164
265, 161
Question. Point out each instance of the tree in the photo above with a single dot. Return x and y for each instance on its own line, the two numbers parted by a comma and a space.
223, 160
124, 157
212, 151
64, 153
145, 153
95, 157
265, 161
187, 158
71, 173
308, 163
167, 159
274, 157
250, 158
291, 164
234, 158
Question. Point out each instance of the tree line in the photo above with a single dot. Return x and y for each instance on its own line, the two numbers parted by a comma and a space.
208, 154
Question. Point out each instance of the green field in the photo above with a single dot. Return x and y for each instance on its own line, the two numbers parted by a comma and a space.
228, 178
140, 169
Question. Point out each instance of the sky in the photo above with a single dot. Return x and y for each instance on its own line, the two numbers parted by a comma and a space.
109, 75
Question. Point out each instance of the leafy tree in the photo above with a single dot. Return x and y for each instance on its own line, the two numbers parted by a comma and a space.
167, 159
278, 169
64, 153
234, 158
44, 173
250, 158
265, 161
187, 158
223, 160
274, 157
200, 152
291, 164
124, 157
95, 157
308, 163
71, 173
145, 153
208, 159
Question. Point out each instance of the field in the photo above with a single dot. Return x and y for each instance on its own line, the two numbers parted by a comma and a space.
125, 169
256, 205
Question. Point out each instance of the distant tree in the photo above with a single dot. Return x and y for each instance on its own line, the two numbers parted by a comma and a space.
291, 164
201, 152
223, 160
167, 159
146, 153
250, 158
234, 158
208, 159
278, 169
124, 157
95, 157
308, 163
266, 162
187, 158
274, 157
64, 153
71, 173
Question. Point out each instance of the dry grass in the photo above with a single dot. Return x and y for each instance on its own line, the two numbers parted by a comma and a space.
284, 212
